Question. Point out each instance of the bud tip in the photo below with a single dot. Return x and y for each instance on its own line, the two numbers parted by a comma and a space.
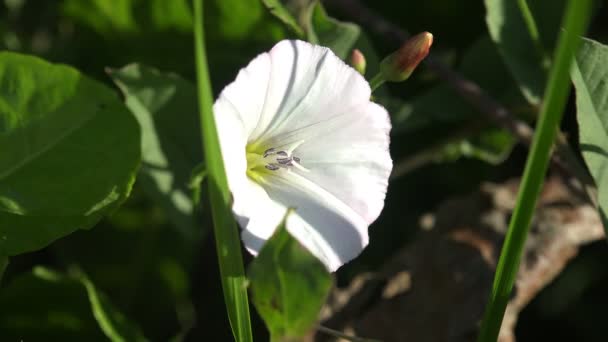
357, 60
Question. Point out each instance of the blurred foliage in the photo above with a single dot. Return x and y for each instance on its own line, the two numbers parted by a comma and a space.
46, 305
149, 259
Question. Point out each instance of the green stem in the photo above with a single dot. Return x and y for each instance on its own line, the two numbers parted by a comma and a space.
227, 240
376, 81
575, 22
533, 31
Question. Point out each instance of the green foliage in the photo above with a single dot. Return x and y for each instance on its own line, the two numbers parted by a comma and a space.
524, 47
288, 285
441, 105
227, 241
47, 305
130, 16
277, 9
165, 107
310, 17
60, 168
590, 77
324, 30
138, 256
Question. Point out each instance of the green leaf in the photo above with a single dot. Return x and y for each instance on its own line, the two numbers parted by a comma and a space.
590, 77
311, 18
523, 42
69, 152
45, 305
339, 36
165, 107
288, 285
277, 9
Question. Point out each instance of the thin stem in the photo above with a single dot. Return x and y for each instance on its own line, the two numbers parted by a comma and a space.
533, 31
376, 81
575, 23
226, 235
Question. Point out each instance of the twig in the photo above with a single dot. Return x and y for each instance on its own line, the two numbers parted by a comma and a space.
564, 159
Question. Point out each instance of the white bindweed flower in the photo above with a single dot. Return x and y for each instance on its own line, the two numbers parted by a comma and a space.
298, 130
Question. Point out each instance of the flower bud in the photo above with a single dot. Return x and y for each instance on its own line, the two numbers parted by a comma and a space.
399, 65
357, 61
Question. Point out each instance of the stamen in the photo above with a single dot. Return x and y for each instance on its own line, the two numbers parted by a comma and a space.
268, 152
279, 159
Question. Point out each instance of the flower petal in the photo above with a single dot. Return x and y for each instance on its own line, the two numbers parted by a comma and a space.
350, 158
328, 228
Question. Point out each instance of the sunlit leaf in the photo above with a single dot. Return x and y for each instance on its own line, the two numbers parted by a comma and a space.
69, 152
288, 285
590, 77
165, 107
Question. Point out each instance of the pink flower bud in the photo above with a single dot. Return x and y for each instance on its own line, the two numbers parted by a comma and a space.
357, 60
399, 65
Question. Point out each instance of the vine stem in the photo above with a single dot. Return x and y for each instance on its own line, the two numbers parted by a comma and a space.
556, 94
227, 241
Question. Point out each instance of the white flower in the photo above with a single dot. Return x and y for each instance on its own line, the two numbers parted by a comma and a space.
298, 130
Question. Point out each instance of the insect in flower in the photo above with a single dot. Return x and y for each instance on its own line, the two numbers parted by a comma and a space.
298, 130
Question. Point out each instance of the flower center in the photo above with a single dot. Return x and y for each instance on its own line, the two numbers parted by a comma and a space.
275, 159
272, 159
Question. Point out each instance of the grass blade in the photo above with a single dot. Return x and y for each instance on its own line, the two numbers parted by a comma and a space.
575, 22
227, 240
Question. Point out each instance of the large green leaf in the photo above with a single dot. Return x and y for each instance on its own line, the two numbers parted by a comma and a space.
288, 285
45, 305
69, 152
525, 55
590, 77
165, 106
